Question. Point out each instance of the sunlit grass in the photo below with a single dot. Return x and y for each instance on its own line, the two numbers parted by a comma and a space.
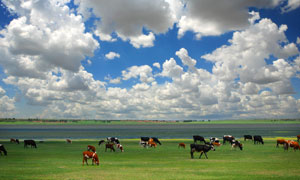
59, 160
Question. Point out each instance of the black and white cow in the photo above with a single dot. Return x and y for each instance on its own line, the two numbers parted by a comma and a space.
199, 138
236, 144
228, 138
247, 137
29, 142
113, 140
258, 139
203, 148
2, 149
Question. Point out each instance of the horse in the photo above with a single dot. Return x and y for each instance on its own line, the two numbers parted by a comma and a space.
92, 148
88, 155
181, 145
2, 149
109, 146
12, 140
69, 141
29, 142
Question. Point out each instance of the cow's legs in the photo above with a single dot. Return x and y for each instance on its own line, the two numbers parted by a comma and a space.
200, 155
205, 155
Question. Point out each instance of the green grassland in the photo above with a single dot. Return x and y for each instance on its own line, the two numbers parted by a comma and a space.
134, 122
59, 160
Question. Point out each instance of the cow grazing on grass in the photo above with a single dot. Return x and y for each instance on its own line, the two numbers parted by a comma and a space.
228, 138
295, 145
236, 144
119, 146
258, 139
181, 145
87, 155
298, 137
91, 148
109, 146
198, 138
203, 148
15, 140
248, 137
69, 141
2, 149
215, 141
281, 141
29, 142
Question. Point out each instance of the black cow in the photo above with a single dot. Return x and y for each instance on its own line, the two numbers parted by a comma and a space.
228, 138
113, 140
236, 144
198, 138
203, 148
258, 139
146, 139
2, 149
247, 137
29, 142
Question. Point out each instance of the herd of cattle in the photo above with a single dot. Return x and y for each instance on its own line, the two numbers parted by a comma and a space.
203, 147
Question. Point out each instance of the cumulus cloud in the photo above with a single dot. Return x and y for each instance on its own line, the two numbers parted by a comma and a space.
7, 105
112, 55
128, 19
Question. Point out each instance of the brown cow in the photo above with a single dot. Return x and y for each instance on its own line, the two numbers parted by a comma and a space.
152, 144
109, 146
88, 155
119, 146
298, 137
181, 145
281, 141
69, 141
295, 145
92, 148
15, 140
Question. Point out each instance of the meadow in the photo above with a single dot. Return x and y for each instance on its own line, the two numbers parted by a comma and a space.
59, 160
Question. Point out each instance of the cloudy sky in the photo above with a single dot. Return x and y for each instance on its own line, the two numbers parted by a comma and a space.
158, 59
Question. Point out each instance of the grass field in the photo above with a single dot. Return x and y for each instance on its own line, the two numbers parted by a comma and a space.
59, 160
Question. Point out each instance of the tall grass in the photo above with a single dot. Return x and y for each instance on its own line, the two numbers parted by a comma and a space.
59, 160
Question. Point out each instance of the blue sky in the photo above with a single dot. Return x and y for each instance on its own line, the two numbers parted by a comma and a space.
164, 59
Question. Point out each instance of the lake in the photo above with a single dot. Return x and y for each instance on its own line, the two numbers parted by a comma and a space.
171, 131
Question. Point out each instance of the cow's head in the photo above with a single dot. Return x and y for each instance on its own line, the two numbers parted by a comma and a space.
212, 147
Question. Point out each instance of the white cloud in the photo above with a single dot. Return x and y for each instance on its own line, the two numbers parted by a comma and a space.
143, 72
156, 64
112, 55
291, 5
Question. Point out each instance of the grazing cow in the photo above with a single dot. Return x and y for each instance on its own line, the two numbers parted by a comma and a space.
247, 137
281, 141
198, 138
215, 141
201, 148
2, 149
88, 155
119, 146
258, 139
109, 146
29, 142
91, 148
298, 137
181, 145
113, 140
100, 142
228, 138
236, 144
69, 141
295, 145
15, 140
